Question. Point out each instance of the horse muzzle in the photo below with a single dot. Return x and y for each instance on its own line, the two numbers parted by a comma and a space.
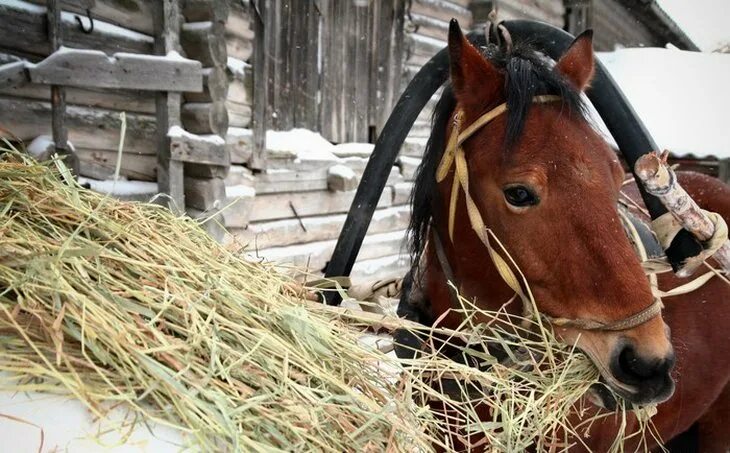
641, 379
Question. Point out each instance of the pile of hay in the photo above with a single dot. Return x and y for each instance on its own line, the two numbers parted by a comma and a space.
119, 302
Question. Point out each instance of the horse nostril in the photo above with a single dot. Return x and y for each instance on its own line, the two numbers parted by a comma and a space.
634, 369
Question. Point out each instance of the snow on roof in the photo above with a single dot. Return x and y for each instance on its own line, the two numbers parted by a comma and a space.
682, 97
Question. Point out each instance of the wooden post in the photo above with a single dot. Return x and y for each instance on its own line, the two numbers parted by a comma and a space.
169, 171
58, 93
260, 86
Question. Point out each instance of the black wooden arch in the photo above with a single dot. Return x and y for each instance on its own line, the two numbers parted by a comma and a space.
627, 129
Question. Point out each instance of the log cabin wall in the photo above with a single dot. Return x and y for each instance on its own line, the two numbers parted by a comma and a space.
92, 114
331, 70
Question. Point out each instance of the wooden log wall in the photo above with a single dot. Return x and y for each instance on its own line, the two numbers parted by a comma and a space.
330, 66
93, 114
203, 37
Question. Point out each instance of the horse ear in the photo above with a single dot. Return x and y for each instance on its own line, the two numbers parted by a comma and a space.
577, 63
475, 80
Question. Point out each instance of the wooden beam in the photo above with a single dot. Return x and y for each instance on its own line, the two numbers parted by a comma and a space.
215, 86
204, 42
260, 82
92, 128
23, 29
167, 21
134, 15
199, 149
58, 94
130, 101
13, 75
205, 118
278, 233
205, 10
101, 164
93, 68
204, 194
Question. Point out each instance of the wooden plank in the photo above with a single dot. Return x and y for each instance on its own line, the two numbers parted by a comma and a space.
135, 15
304, 75
205, 10
58, 93
381, 268
170, 172
428, 26
13, 75
238, 22
239, 115
260, 81
279, 206
238, 47
314, 255
204, 194
363, 63
88, 127
101, 164
239, 175
205, 117
283, 232
215, 86
203, 41
402, 193
213, 222
408, 166
443, 11
120, 100
199, 149
239, 143
23, 28
93, 68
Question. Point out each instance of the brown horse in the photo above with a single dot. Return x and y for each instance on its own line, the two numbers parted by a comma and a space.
547, 184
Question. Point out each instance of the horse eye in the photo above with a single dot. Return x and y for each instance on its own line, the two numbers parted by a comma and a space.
520, 196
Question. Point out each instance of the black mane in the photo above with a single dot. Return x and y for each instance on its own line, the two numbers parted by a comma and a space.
527, 74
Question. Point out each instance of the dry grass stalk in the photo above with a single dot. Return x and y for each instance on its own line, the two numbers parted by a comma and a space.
118, 302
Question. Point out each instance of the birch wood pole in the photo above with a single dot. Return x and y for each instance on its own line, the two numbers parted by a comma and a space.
660, 180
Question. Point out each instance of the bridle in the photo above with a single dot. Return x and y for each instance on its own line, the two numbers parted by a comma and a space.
454, 156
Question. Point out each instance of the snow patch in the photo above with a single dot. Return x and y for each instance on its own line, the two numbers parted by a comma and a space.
354, 149
174, 55
120, 187
299, 144
237, 67
179, 132
406, 160
240, 191
682, 97
342, 171
40, 145
198, 25
68, 425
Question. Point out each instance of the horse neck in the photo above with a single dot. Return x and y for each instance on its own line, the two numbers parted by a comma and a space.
474, 273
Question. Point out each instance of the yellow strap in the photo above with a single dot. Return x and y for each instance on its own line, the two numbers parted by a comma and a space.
454, 156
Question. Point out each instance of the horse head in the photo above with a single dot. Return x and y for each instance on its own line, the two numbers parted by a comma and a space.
547, 185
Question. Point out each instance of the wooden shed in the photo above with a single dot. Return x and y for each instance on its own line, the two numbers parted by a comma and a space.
293, 94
